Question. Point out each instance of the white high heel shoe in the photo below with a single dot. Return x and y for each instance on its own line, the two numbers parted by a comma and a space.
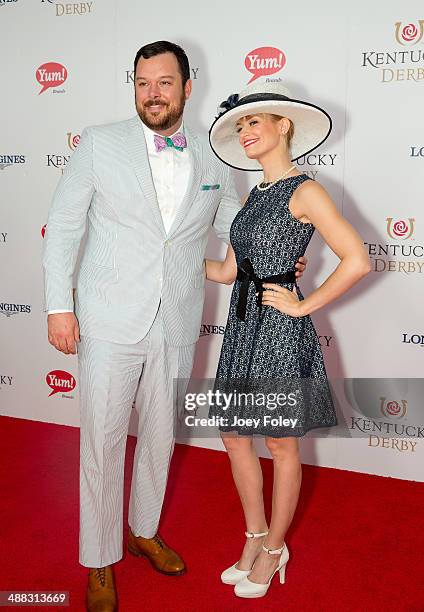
246, 588
232, 575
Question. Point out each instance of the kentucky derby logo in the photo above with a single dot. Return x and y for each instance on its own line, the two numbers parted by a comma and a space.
409, 34
70, 8
43, 230
51, 74
399, 65
399, 255
393, 409
264, 61
400, 229
73, 140
60, 381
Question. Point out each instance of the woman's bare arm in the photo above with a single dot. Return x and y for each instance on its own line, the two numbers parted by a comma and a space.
222, 271
312, 203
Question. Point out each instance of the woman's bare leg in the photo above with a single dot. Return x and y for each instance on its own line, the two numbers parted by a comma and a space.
285, 495
247, 474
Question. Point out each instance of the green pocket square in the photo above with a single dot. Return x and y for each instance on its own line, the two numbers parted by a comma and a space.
209, 187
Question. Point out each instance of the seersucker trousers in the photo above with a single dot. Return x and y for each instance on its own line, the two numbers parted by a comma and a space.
110, 375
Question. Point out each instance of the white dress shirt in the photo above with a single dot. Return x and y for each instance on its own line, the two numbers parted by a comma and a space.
170, 172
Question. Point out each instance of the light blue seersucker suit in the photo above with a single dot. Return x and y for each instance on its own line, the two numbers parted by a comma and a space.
139, 302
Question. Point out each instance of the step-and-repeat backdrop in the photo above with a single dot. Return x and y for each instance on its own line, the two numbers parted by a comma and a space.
66, 65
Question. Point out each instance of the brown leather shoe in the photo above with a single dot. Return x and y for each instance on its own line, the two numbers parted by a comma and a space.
101, 591
163, 558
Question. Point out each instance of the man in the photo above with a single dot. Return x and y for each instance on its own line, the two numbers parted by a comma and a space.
147, 190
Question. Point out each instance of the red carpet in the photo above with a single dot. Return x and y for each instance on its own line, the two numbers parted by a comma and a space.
356, 543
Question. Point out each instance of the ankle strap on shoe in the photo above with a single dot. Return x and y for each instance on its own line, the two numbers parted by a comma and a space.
275, 551
250, 534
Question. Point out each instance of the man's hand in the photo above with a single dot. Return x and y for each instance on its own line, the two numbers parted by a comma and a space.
63, 332
301, 266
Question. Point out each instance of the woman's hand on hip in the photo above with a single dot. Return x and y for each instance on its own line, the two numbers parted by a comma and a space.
282, 299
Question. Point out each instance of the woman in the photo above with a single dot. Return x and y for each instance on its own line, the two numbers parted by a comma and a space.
270, 342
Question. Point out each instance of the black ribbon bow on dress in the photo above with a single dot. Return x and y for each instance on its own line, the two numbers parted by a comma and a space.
246, 275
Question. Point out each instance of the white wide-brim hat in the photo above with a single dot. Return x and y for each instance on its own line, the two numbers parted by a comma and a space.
312, 124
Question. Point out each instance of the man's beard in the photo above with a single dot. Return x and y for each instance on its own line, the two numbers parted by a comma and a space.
164, 120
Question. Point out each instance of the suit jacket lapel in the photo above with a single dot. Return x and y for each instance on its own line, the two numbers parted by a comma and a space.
139, 157
196, 152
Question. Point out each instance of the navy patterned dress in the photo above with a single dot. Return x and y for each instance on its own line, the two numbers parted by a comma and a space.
271, 360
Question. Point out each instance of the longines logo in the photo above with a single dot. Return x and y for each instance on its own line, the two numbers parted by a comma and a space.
206, 329
129, 75
5, 381
385, 256
3, 237
12, 309
417, 339
10, 160
405, 60
60, 381
70, 8
73, 140
264, 61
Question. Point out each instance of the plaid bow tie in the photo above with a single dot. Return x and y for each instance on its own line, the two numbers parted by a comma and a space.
178, 141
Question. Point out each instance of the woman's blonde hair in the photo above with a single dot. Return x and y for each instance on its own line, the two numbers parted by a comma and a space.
290, 131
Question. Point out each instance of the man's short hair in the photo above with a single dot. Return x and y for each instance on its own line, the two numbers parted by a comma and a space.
164, 46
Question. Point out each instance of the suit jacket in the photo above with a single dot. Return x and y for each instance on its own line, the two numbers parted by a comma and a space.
129, 263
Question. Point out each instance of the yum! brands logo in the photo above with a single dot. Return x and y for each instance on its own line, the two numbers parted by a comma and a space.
50, 75
60, 381
264, 61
